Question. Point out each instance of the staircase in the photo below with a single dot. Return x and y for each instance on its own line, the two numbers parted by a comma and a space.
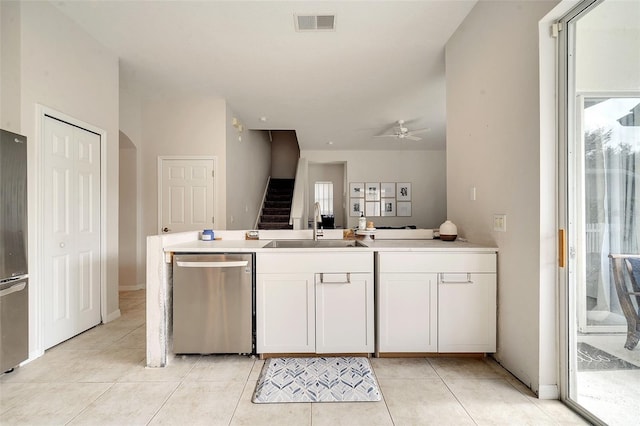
277, 205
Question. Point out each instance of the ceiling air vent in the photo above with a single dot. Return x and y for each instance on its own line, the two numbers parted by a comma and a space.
315, 22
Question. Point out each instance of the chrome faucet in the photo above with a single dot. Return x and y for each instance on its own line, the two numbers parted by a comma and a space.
316, 215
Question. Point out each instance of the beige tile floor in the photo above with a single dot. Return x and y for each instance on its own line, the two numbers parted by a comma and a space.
99, 378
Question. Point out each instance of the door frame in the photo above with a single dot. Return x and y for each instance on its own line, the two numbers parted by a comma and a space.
162, 158
37, 264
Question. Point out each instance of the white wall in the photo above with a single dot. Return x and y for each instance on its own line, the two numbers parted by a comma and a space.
426, 170
188, 126
493, 144
10, 66
131, 127
127, 217
248, 168
61, 67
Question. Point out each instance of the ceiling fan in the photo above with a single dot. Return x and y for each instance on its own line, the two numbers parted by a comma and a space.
399, 131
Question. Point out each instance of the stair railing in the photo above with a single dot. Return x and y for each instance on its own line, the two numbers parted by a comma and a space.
264, 197
298, 204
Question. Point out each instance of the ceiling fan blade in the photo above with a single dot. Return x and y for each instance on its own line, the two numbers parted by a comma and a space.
413, 138
385, 136
418, 131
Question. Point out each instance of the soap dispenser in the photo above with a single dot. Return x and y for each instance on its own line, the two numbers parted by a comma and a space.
362, 222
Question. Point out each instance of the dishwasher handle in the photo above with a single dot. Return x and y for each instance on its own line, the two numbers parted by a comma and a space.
227, 264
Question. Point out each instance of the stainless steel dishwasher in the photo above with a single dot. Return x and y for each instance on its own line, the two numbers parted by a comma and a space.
213, 303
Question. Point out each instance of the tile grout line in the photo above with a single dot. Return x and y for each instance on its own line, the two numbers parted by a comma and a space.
246, 383
89, 404
386, 404
451, 392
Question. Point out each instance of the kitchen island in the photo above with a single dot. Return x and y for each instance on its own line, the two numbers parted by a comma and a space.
395, 307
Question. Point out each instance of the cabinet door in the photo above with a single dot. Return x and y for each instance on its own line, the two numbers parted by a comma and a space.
407, 312
344, 313
467, 313
285, 317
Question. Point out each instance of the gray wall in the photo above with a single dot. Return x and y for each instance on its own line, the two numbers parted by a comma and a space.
249, 166
493, 144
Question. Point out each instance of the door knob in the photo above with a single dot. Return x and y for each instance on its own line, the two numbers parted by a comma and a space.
165, 229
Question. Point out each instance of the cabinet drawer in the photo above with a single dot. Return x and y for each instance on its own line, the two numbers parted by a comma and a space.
314, 262
436, 262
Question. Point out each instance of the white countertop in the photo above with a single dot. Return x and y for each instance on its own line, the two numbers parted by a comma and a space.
217, 246
380, 245
427, 245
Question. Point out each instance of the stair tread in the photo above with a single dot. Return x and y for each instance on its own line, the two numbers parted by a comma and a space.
277, 205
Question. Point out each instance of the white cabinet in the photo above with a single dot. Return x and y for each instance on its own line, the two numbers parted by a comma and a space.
344, 313
436, 302
285, 320
408, 312
324, 302
467, 312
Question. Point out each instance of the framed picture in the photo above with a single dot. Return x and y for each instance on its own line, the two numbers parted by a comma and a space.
403, 191
387, 190
388, 207
356, 207
372, 191
373, 208
404, 208
356, 189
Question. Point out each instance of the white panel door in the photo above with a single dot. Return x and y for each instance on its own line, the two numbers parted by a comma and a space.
186, 195
71, 230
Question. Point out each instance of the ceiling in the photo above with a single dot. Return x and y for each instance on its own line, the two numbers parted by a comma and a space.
337, 89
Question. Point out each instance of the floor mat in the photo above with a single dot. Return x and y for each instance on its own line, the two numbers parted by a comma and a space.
594, 359
335, 379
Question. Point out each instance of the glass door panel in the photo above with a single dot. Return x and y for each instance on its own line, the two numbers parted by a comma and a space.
603, 208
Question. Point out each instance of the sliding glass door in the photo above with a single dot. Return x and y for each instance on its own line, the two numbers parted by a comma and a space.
602, 172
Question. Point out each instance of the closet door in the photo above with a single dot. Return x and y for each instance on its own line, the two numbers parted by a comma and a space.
71, 230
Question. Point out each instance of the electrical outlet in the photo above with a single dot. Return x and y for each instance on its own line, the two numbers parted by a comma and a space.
500, 222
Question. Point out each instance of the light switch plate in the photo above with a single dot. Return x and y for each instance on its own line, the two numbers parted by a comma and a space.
500, 222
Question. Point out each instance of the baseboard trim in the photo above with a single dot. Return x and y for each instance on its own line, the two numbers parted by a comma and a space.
112, 316
548, 392
131, 287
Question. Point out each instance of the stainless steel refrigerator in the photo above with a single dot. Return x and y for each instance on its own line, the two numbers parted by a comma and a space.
14, 278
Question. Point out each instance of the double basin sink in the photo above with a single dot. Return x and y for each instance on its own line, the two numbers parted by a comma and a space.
313, 244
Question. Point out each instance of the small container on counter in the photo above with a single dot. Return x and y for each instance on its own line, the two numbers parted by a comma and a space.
448, 231
362, 222
207, 235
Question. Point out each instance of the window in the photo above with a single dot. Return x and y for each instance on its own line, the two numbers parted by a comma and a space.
324, 195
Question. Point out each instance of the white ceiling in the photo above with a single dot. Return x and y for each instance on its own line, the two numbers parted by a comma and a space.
384, 62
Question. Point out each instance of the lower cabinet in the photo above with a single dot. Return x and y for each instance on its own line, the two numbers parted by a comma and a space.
318, 306
436, 302
285, 313
408, 312
467, 312
344, 313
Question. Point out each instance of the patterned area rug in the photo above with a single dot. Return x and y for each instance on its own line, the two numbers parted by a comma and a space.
336, 379
594, 359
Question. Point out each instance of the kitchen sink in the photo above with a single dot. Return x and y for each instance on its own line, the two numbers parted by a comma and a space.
313, 244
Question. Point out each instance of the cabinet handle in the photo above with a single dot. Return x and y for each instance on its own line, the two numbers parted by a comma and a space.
443, 279
330, 281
